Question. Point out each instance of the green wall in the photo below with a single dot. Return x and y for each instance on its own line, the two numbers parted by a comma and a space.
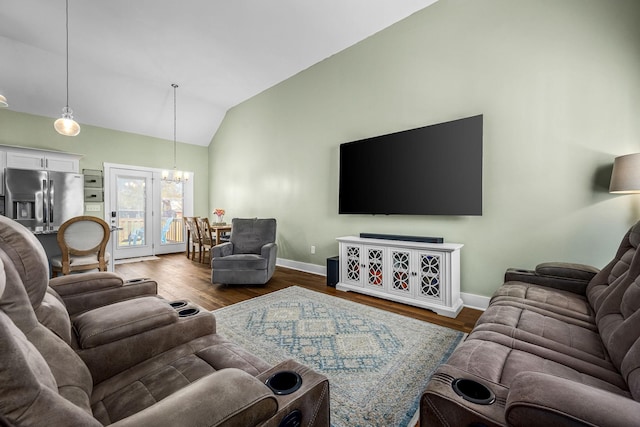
99, 145
558, 82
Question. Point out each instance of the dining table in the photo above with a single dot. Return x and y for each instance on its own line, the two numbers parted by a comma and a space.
220, 229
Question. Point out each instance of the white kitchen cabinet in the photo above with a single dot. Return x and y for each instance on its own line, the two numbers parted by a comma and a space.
42, 160
425, 275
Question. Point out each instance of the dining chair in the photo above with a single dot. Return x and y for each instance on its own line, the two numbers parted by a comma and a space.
208, 237
194, 236
83, 245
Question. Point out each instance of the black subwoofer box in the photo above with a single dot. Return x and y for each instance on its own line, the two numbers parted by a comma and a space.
333, 271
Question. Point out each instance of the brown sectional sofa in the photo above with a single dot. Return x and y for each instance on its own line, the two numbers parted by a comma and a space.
92, 350
557, 346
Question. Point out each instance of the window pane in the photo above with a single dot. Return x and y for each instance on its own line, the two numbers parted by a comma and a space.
172, 194
130, 202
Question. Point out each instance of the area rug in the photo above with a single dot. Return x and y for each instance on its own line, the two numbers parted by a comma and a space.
378, 363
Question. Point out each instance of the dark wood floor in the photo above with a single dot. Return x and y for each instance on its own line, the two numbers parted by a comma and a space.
181, 278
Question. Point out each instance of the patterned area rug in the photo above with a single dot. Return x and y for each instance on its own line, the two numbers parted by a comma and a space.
378, 363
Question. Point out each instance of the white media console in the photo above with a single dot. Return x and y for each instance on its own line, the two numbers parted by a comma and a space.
425, 275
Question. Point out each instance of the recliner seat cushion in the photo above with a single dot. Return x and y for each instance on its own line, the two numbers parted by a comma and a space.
240, 262
157, 378
542, 330
563, 302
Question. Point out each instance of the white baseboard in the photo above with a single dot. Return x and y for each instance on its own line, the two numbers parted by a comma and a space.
302, 266
477, 302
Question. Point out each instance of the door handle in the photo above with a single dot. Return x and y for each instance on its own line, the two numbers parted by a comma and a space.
45, 205
51, 200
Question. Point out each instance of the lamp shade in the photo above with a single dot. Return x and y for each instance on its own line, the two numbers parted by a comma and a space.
625, 177
66, 126
3, 102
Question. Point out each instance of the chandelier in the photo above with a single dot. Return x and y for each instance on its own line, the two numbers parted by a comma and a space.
66, 125
175, 175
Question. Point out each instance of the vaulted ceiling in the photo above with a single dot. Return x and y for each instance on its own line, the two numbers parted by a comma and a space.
124, 55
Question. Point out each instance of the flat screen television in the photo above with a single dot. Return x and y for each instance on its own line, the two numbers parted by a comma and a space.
432, 170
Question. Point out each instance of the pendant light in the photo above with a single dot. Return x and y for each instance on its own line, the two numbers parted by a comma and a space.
66, 125
177, 175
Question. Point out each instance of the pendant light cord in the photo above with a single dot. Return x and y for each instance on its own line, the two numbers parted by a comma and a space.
67, 28
175, 86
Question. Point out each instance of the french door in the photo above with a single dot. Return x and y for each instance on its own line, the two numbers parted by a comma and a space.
145, 211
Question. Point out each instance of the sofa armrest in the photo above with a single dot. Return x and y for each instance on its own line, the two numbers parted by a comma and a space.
82, 292
566, 270
222, 250
269, 251
121, 320
551, 400
229, 397
559, 275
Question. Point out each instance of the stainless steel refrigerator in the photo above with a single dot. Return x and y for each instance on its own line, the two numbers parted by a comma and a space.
43, 200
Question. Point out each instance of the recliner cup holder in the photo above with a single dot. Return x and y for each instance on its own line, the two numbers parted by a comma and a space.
186, 312
177, 304
473, 391
284, 382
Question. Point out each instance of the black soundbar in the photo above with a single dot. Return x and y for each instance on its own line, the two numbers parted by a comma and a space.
421, 239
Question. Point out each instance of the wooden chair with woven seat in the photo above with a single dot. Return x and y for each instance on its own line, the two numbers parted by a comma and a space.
83, 243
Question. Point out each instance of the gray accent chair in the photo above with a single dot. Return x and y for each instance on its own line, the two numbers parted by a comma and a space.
128, 358
250, 255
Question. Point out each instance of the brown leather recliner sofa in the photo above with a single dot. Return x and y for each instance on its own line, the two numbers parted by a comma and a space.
92, 350
557, 346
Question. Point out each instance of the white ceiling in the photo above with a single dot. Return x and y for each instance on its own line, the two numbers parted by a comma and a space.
124, 55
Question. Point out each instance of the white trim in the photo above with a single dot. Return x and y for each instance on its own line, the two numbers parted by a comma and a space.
302, 266
477, 302
156, 247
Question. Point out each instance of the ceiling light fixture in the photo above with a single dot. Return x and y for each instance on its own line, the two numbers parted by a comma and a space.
176, 175
66, 125
3, 102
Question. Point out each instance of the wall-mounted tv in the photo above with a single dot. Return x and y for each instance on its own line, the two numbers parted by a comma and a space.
432, 170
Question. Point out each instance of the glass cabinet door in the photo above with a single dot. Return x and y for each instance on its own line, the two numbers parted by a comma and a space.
400, 272
352, 267
430, 275
375, 267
